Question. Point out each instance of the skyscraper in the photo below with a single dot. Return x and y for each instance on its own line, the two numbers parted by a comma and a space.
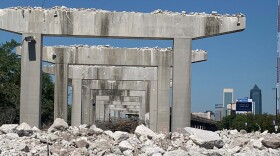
256, 96
227, 99
218, 112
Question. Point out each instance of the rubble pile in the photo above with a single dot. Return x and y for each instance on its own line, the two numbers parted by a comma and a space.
61, 139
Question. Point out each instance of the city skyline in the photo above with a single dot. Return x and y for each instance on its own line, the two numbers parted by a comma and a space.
236, 61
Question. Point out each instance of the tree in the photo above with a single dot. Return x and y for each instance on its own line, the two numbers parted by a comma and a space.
249, 122
10, 87
9, 83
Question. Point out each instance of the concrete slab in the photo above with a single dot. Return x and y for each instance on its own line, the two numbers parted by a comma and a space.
98, 23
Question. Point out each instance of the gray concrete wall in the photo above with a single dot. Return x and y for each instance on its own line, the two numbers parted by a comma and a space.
92, 23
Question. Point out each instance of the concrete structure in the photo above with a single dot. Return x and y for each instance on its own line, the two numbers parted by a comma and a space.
126, 105
179, 27
206, 115
119, 88
79, 73
63, 56
227, 99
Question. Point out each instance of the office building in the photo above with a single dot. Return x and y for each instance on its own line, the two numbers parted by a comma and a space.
227, 99
218, 112
256, 96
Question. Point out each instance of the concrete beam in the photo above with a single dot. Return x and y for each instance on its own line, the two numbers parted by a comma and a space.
95, 23
112, 73
119, 98
104, 55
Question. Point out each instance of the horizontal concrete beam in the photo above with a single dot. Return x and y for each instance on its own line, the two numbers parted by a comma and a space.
93, 23
119, 98
116, 85
104, 55
112, 72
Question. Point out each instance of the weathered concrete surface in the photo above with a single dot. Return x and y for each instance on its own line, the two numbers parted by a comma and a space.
181, 108
160, 57
103, 103
112, 73
104, 55
76, 116
122, 88
172, 26
30, 90
119, 73
92, 23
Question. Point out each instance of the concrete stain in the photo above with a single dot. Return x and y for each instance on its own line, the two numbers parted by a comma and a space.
212, 26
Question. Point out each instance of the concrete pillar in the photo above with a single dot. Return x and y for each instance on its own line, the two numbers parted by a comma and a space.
153, 106
86, 104
100, 110
181, 111
117, 114
163, 123
31, 84
61, 91
107, 112
76, 102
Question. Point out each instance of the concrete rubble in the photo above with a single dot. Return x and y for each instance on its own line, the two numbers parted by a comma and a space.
62, 139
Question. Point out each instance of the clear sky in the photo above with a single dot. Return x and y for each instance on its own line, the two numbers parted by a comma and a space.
237, 61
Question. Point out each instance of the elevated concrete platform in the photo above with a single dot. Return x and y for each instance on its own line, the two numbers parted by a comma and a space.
98, 23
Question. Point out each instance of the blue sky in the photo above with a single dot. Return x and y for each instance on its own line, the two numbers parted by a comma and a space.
237, 61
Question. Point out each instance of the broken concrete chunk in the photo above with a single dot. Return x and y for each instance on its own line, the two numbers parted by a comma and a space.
8, 128
203, 138
58, 124
142, 130
271, 142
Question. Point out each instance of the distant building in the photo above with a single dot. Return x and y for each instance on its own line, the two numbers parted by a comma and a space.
207, 114
231, 108
227, 99
219, 112
256, 96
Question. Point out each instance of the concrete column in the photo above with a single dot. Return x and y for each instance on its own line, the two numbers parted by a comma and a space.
31, 84
76, 102
100, 110
107, 112
163, 123
61, 91
153, 106
117, 114
86, 105
181, 111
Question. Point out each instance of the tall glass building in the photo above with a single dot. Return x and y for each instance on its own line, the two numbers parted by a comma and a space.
227, 99
218, 112
256, 96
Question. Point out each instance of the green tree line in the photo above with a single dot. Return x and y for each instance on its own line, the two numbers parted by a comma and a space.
249, 122
10, 88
